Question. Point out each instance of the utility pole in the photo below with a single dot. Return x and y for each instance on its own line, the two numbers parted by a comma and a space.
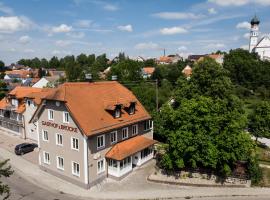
164, 52
157, 94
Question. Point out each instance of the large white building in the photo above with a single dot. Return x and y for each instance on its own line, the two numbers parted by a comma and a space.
257, 44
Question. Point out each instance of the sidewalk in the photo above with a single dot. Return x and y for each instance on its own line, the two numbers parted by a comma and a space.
132, 187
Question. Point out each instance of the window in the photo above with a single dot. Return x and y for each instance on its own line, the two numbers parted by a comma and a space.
66, 117
74, 143
75, 169
59, 139
113, 163
135, 129
113, 137
45, 135
147, 125
28, 102
132, 108
50, 114
146, 152
60, 163
124, 163
101, 166
125, 133
100, 141
46, 157
117, 113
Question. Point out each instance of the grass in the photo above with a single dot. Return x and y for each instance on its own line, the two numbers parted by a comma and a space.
265, 182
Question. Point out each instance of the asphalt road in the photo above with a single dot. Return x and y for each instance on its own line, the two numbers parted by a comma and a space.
24, 190
21, 189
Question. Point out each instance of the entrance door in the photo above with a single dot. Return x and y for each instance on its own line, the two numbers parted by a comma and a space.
135, 159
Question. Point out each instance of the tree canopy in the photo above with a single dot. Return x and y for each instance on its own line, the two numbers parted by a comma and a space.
205, 129
5, 171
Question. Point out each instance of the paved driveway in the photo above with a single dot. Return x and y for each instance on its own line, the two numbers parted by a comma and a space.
9, 141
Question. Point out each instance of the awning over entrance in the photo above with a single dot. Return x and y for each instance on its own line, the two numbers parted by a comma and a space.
129, 147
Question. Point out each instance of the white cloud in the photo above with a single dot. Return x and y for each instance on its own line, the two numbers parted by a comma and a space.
29, 51
24, 39
110, 7
148, 45
84, 23
240, 2
182, 48
5, 9
215, 45
246, 35
77, 35
176, 15
229, 2
212, 11
62, 43
245, 47
173, 30
13, 24
63, 28
127, 28
243, 25
61, 52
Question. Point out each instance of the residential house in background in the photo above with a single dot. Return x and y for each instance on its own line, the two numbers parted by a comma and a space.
90, 131
219, 58
187, 71
195, 58
147, 72
46, 81
15, 113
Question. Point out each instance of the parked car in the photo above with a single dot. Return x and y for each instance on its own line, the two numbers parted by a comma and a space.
23, 148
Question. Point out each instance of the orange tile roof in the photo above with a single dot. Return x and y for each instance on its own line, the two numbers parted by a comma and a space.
187, 71
149, 70
87, 103
129, 147
38, 96
20, 91
4, 103
165, 59
22, 73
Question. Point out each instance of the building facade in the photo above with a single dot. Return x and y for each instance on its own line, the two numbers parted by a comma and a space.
90, 131
261, 46
16, 110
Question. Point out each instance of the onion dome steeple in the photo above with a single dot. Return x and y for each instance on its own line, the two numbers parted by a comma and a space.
255, 20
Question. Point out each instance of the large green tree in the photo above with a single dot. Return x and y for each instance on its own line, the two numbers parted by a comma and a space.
5, 171
205, 129
259, 120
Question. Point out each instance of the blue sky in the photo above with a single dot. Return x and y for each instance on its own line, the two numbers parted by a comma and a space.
44, 28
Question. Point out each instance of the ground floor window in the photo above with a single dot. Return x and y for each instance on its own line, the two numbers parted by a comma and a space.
46, 157
60, 163
113, 163
75, 169
146, 152
101, 166
124, 163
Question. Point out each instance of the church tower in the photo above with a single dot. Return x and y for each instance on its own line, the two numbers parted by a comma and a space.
254, 33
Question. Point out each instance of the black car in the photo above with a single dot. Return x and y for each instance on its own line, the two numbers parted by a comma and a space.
23, 148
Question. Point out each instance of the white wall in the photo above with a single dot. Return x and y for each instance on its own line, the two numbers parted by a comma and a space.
41, 83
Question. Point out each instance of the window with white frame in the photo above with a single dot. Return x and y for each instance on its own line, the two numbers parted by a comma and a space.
60, 162
147, 125
46, 157
100, 141
125, 163
112, 163
65, 117
113, 137
45, 135
125, 133
59, 139
50, 114
75, 169
135, 129
101, 166
74, 143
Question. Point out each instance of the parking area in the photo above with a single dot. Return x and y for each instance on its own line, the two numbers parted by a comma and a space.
9, 141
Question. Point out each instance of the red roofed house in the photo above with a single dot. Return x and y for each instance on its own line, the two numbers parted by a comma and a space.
90, 131
148, 72
15, 112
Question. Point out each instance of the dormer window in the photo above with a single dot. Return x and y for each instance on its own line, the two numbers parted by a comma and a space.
132, 108
117, 112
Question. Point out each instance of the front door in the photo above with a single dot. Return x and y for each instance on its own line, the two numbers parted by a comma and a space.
135, 159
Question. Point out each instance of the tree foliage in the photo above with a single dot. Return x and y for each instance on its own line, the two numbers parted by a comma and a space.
259, 120
5, 171
206, 128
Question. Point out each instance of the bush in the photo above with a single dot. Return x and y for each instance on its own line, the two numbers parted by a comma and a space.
254, 171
